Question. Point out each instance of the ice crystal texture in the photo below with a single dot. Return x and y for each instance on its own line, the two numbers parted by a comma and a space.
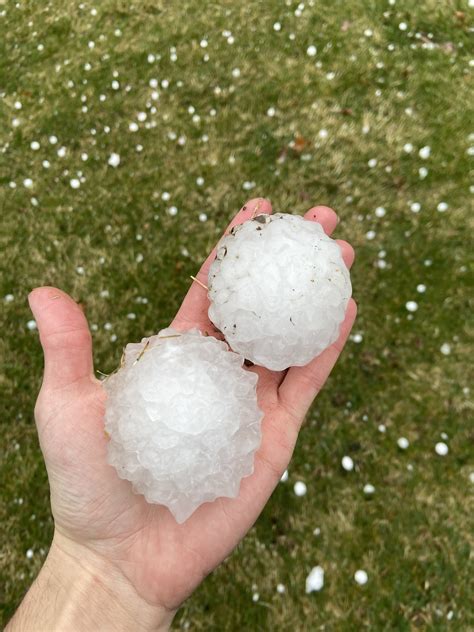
278, 290
183, 420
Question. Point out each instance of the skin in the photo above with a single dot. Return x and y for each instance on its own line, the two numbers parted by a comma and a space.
109, 541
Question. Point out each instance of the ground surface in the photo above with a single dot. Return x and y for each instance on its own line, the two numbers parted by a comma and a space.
241, 108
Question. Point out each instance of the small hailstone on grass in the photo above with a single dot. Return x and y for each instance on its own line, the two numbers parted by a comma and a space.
317, 531
311, 51
403, 26
347, 463
199, 181
411, 306
415, 207
62, 151
441, 448
421, 288
114, 160
183, 420
300, 488
369, 489
280, 589
361, 577
357, 338
8, 298
403, 443
442, 207
445, 348
173, 210
372, 163
31, 325
133, 127
408, 148
29, 554
271, 112
75, 183
35, 145
28, 183
422, 172
380, 211
284, 477
277, 26
425, 152
202, 217
315, 580
370, 235
255, 597
382, 428
278, 290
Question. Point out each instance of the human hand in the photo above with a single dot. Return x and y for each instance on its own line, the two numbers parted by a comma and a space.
136, 551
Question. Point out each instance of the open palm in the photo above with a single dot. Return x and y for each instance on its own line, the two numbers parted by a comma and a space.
98, 512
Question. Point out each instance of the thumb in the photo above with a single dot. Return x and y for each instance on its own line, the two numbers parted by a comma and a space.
64, 336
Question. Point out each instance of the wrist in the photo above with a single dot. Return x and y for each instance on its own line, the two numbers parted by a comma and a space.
83, 591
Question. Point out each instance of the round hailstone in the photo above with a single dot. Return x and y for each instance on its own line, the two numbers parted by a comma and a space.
403, 443
183, 420
315, 580
411, 306
361, 577
278, 289
347, 463
300, 488
441, 449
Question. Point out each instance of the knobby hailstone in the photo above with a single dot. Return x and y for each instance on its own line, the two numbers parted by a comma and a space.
183, 420
278, 290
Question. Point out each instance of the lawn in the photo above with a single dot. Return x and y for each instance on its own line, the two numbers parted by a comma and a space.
360, 105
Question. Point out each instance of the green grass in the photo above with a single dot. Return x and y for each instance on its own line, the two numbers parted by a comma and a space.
413, 536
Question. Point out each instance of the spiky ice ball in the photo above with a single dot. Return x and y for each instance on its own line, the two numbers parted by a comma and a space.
278, 289
183, 420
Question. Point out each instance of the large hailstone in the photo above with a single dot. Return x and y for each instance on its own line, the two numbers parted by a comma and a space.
183, 420
278, 290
